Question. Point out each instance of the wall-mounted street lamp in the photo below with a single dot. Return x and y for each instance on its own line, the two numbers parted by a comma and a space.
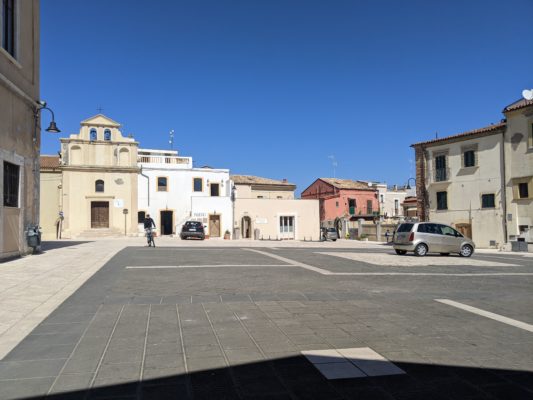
408, 187
52, 128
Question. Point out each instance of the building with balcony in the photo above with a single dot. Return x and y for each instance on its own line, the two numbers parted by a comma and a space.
343, 201
90, 189
266, 208
481, 181
19, 131
172, 191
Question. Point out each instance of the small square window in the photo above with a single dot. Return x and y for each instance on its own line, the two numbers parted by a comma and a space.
162, 184
198, 185
469, 158
488, 201
141, 215
215, 189
523, 190
442, 200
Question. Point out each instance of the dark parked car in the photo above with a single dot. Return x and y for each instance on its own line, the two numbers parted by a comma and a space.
329, 234
192, 229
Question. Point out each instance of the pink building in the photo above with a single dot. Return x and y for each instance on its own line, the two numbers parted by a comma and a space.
343, 200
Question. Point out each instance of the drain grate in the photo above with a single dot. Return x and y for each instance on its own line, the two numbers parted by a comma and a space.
357, 362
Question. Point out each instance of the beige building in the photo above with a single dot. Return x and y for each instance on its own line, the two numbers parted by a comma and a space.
97, 192
481, 181
19, 131
266, 209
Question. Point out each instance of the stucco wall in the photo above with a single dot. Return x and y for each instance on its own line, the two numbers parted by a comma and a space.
180, 195
519, 165
264, 215
50, 203
465, 187
361, 197
19, 90
79, 192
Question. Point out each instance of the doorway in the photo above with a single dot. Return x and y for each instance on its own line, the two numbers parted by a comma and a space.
214, 225
246, 226
166, 222
464, 229
99, 214
286, 227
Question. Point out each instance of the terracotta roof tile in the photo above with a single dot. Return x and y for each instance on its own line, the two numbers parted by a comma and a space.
491, 128
518, 104
49, 162
257, 180
347, 183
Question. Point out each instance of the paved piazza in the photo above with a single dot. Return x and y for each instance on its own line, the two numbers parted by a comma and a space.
197, 321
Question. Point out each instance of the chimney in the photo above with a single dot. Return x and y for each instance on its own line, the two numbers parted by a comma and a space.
284, 180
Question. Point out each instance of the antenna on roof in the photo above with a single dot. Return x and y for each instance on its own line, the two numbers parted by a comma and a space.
171, 139
436, 134
527, 94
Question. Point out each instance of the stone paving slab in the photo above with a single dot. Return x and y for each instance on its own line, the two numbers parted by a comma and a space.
247, 345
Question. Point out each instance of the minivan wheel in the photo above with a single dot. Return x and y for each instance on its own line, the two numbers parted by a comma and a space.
421, 250
401, 252
466, 251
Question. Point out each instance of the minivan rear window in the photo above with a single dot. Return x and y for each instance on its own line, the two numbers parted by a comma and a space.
405, 228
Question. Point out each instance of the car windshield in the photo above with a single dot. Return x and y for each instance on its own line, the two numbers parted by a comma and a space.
331, 230
405, 228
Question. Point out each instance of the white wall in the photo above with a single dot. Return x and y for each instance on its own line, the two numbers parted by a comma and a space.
180, 197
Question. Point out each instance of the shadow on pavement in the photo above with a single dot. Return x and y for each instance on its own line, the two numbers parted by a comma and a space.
296, 378
58, 244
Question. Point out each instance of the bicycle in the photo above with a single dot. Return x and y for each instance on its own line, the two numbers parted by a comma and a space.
150, 237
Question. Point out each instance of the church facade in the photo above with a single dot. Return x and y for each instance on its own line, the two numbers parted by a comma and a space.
94, 182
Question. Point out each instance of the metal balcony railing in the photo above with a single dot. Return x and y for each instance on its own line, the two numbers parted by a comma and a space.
442, 174
163, 160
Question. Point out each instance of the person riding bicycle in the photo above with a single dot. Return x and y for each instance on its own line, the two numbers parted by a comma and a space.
148, 225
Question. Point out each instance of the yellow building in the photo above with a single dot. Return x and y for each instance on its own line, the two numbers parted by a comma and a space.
96, 191
19, 131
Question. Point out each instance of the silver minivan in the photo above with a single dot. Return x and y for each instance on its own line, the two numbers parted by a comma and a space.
430, 237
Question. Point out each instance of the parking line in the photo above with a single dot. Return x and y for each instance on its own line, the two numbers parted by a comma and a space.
204, 266
488, 314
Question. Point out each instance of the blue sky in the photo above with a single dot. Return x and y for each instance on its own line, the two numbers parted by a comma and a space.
274, 87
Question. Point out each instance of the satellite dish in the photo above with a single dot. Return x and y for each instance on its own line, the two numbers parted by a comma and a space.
527, 94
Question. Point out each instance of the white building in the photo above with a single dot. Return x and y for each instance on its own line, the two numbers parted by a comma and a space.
172, 191
266, 208
390, 201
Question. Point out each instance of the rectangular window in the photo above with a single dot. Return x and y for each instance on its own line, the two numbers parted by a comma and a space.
162, 184
141, 215
11, 184
198, 184
8, 26
442, 200
523, 190
337, 204
369, 207
396, 206
440, 168
469, 158
215, 189
351, 205
488, 201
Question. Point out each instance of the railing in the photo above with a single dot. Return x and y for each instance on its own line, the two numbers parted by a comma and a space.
442, 174
163, 160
